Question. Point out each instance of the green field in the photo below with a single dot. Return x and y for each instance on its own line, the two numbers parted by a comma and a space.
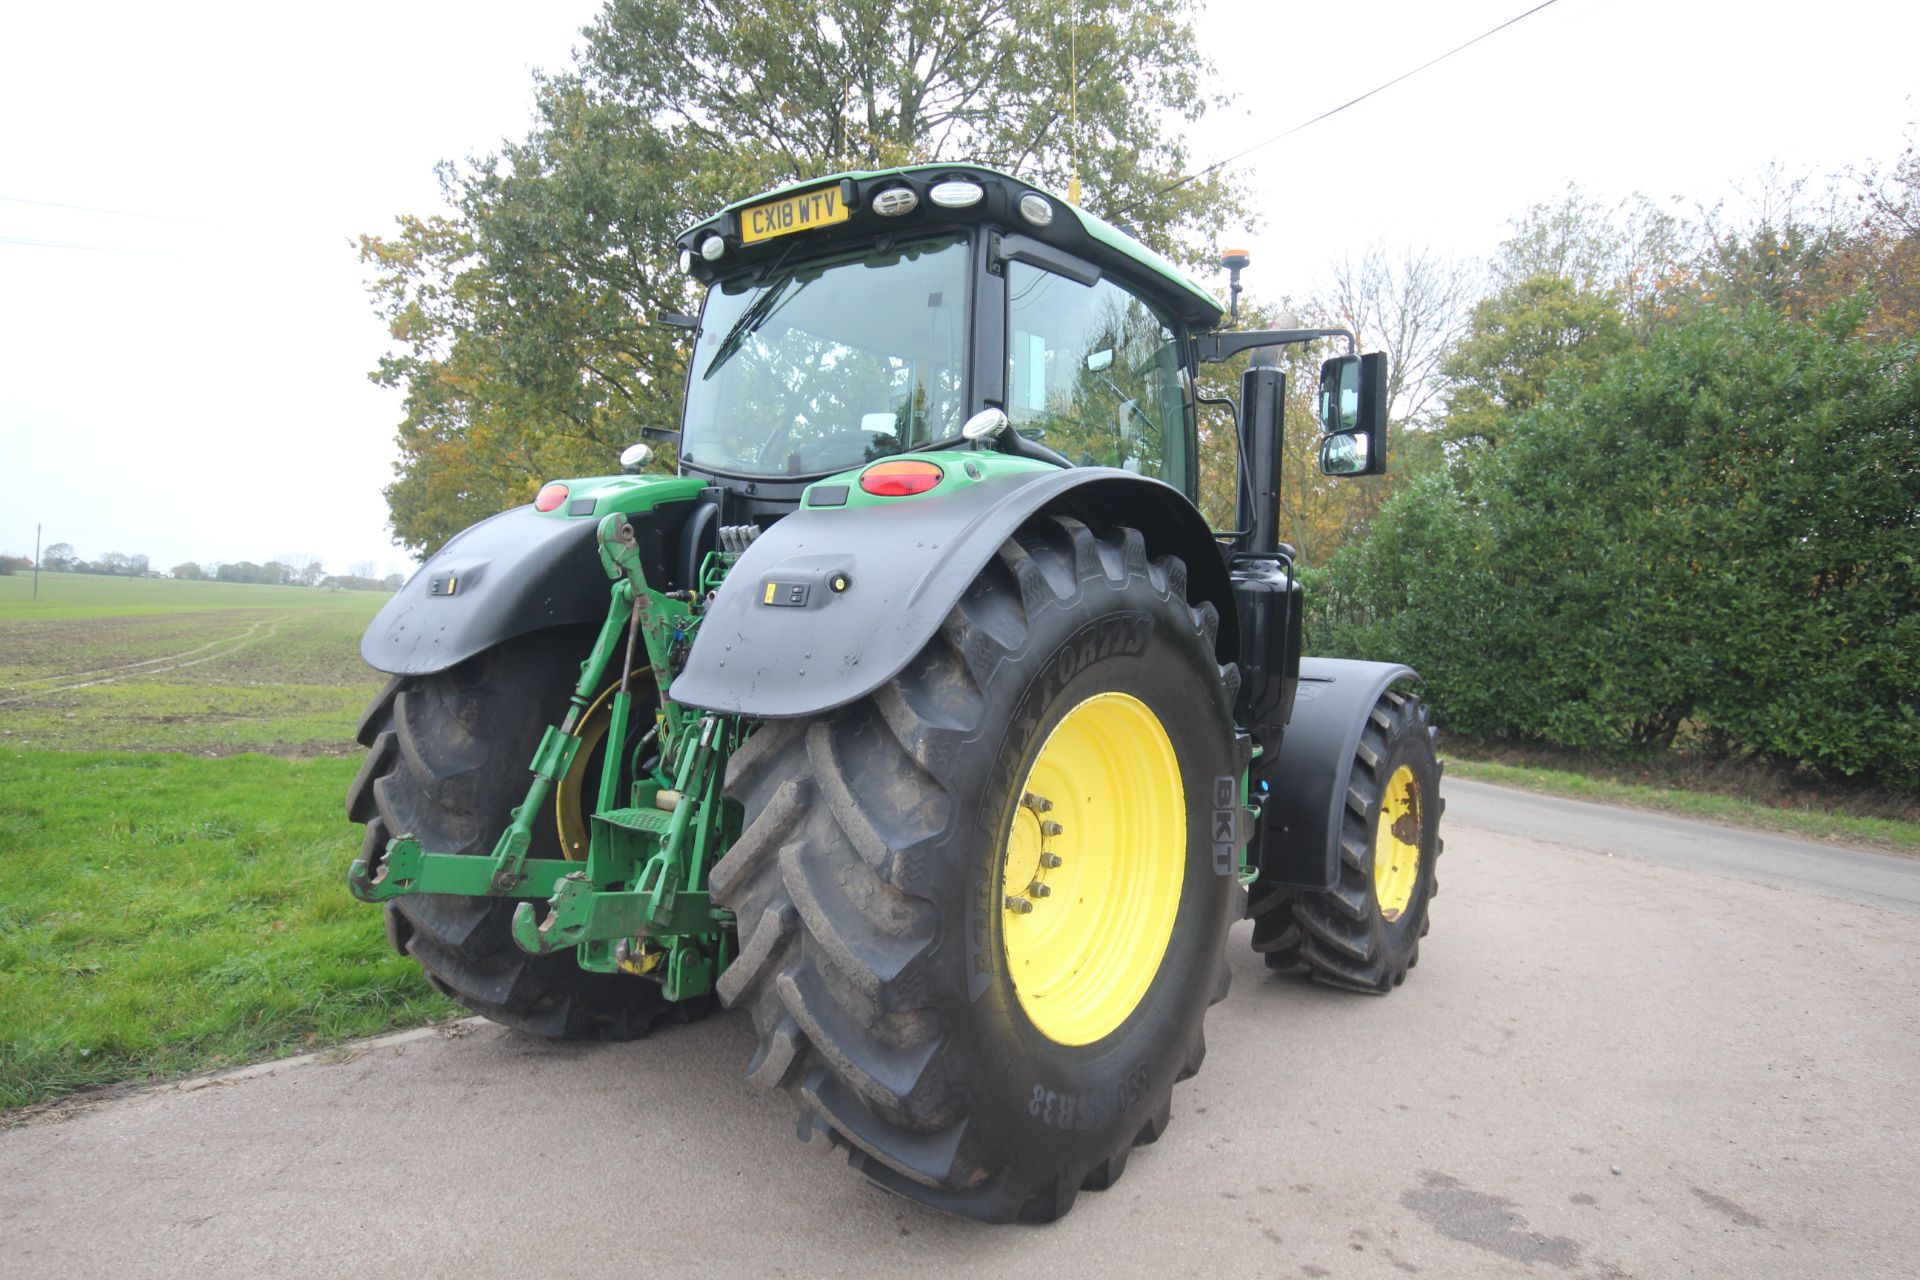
174, 894
212, 667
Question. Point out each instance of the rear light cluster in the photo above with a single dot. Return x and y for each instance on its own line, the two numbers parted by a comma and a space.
900, 479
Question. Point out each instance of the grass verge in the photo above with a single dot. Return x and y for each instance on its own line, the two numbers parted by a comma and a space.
165, 914
1887, 834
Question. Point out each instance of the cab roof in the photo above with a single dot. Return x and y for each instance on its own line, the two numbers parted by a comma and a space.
1072, 228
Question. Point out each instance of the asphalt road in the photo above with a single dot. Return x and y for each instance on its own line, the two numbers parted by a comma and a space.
1634, 1046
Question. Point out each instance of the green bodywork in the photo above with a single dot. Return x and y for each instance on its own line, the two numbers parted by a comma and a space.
958, 469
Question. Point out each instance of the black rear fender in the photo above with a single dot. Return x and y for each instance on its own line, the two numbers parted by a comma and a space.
780, 640
524, 571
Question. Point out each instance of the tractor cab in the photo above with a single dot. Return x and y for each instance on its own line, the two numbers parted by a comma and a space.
873, 314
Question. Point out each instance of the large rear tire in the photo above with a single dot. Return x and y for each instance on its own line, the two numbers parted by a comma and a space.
1364, 933
983, 1057
447, 760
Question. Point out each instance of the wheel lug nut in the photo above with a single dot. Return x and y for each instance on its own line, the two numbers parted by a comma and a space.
1049, 860
1039, 804
1019, 906
1039, 890
1051, 828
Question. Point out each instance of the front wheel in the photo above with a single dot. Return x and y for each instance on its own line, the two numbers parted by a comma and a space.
981, 912
1364, 933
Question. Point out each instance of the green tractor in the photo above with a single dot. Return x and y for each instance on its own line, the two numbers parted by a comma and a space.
920, 715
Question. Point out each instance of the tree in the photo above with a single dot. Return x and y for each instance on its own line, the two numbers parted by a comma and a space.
522, 322
115, 563
303, 569
1414, 305
1645, 257
60, 558
1880, 253
1779, 253
1521, 338
189, 572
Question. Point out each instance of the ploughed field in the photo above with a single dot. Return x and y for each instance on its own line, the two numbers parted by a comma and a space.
172, 846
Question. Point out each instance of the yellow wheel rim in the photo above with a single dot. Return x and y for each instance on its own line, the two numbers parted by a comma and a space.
570, 792
1396, 844
1094, 861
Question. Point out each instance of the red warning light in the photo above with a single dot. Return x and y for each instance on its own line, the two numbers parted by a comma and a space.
900, 479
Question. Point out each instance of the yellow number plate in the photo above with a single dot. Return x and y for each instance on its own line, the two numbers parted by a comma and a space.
795, 213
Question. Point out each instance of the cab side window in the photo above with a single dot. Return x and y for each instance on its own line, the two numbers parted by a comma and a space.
1095, 372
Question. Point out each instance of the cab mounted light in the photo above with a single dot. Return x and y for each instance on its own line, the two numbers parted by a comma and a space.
686, 262
550, 497
901, 478
1036, 208
956, 194
712, 247
895, 201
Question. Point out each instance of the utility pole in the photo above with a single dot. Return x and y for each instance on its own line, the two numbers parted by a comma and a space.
36, 562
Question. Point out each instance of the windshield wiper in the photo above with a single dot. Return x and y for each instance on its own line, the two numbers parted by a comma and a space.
758, 312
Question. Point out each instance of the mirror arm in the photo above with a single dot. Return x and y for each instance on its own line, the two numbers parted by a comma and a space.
1215, 347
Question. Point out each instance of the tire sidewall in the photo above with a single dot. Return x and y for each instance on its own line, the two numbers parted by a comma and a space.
1077, 1102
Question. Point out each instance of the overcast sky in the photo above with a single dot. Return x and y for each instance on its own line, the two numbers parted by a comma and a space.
190, 383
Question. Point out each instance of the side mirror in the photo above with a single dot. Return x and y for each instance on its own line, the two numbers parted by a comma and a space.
1353, 414
1340, 394
1345, 453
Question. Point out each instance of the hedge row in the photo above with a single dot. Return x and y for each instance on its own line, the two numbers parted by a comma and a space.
1715, 540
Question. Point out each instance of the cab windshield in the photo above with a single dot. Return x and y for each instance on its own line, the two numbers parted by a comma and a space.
826, 366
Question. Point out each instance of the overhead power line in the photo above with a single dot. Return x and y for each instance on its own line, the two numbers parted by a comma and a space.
90, 208
1241, 154
74, 244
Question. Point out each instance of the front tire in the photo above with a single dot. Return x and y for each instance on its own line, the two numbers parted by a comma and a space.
1364, 933
447, 760
875, 884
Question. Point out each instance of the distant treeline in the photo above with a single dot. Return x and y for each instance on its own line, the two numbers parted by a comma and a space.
294, 571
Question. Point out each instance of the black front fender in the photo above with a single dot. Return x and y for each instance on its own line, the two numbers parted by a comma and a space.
1298, 838
780, 641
